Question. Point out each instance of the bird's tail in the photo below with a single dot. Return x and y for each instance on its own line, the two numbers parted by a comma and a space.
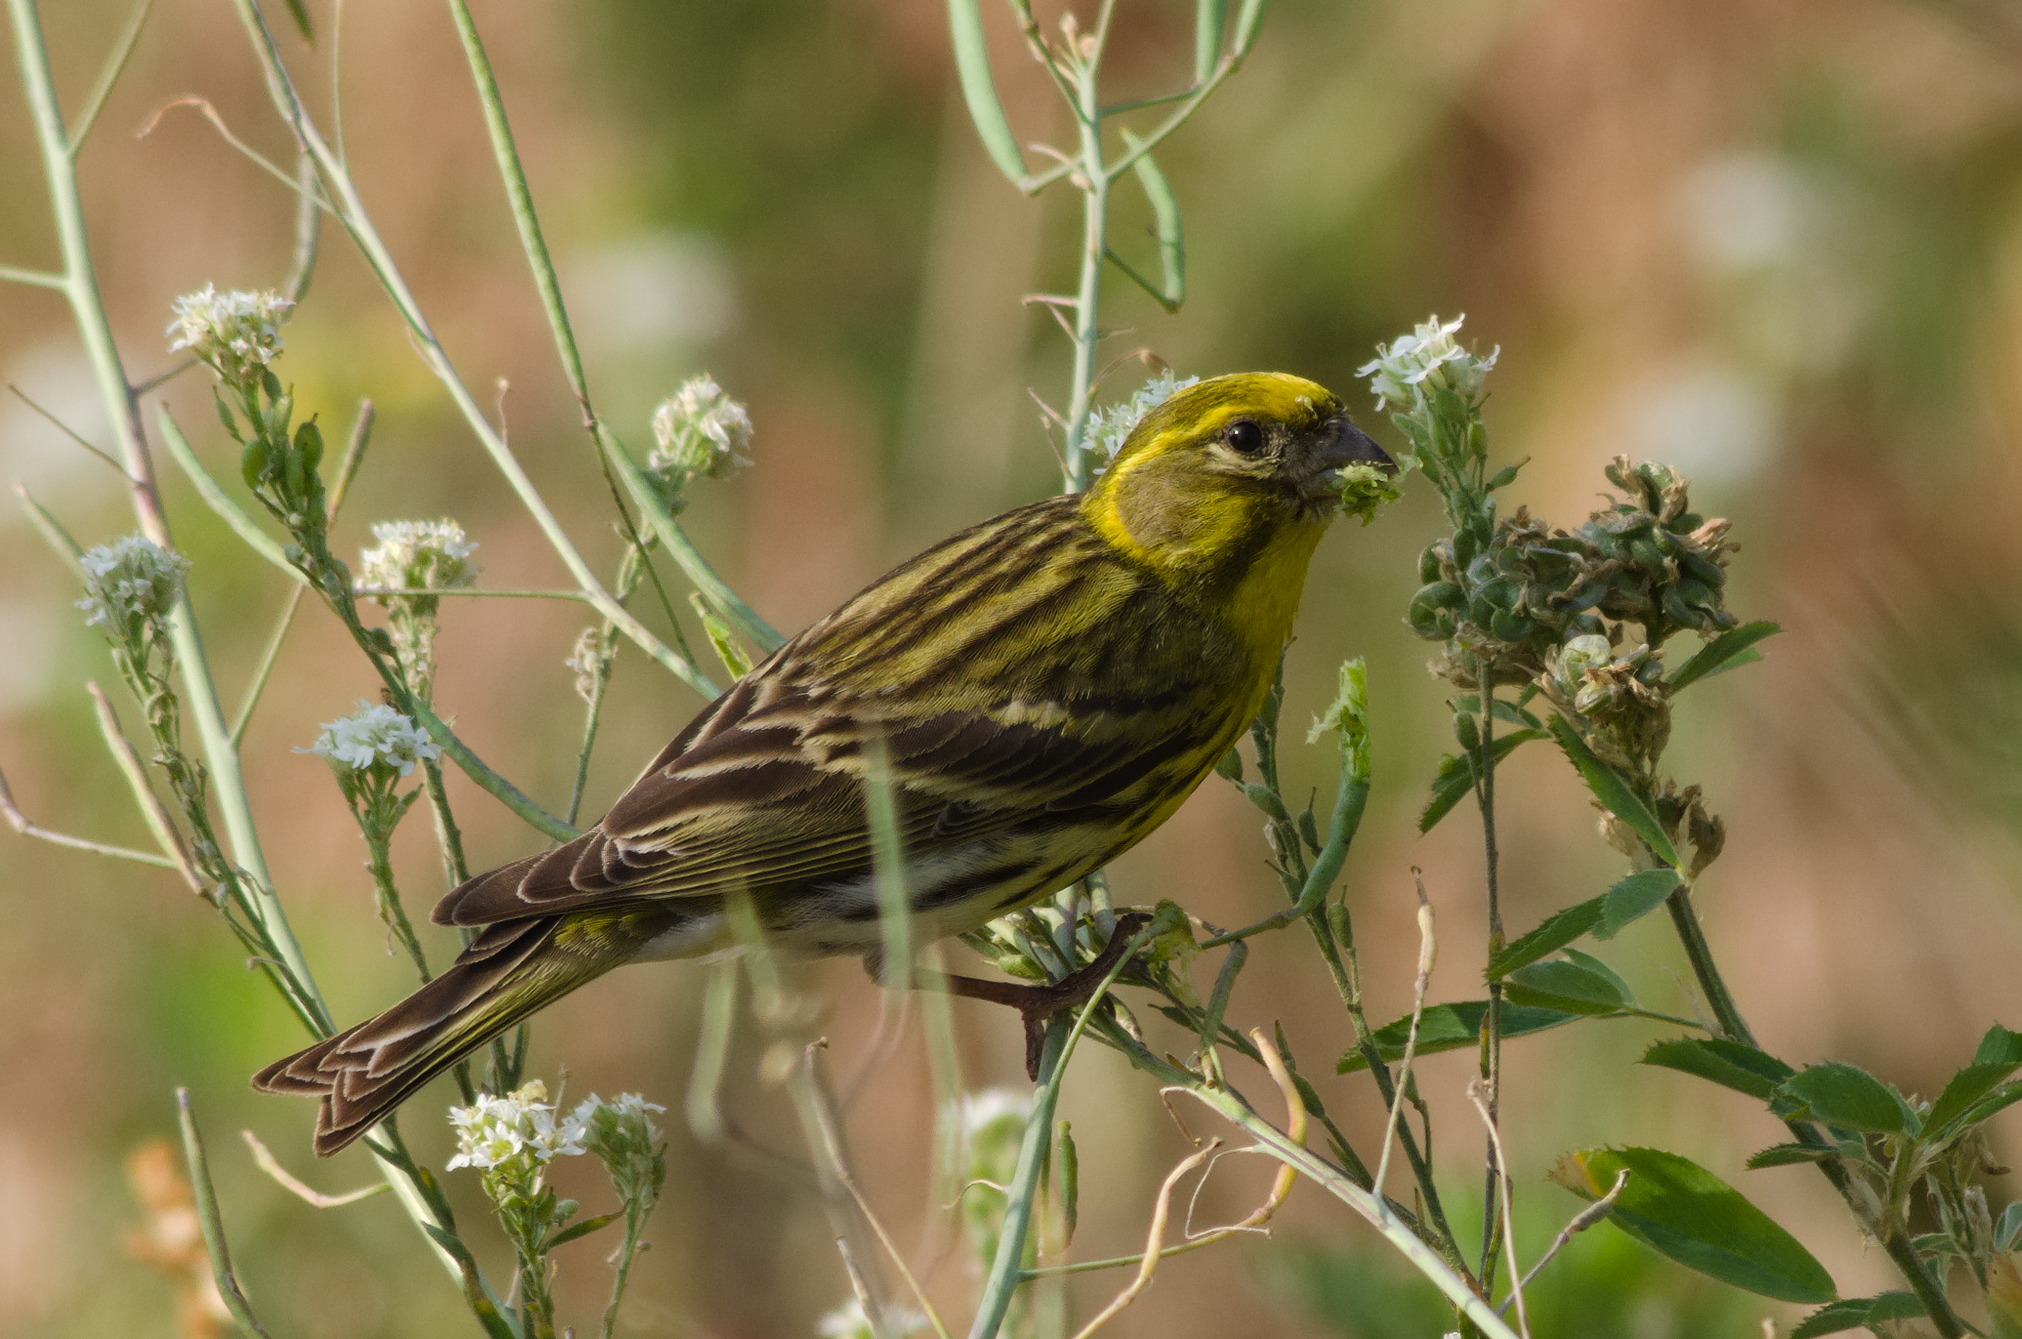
508, 972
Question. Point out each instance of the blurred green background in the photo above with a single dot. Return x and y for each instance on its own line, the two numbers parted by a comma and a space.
1777, 242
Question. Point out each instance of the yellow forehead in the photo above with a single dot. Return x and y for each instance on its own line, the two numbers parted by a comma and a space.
1205, 407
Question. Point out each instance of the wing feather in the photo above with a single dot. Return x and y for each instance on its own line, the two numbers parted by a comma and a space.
763, 791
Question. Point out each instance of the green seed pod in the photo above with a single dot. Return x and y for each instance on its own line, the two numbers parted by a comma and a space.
1464, 548
1444, 595
1067, 1163
1700, 567
253, 462
1466, 731
1501, 593
296, 476
309, 444
1511, 627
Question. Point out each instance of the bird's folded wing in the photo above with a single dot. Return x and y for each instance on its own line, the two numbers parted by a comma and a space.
766, 789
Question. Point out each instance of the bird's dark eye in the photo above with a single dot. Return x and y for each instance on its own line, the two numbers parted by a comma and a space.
1244, 437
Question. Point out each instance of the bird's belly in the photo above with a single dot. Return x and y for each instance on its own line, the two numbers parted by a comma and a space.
950, 891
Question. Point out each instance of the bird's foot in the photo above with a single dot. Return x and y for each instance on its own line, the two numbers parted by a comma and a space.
1037, 1003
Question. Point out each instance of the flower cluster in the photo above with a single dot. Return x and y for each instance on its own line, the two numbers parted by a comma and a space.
518, 1130
621, 1134
416, 555
1110, 426
700, 432
590, 660
130, 585
1409, 370
236, 334
373, 738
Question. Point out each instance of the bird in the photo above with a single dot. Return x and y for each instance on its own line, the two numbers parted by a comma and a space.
1041, 690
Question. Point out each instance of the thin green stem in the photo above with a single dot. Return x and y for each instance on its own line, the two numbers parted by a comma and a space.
269, 657
115, 65
12, 813
199, 691
1231, 1106
391, 912
1087, 329
358, 223
15, 274
1704, 969
1006, 1269
534, 242
1492, 1225
211, 1221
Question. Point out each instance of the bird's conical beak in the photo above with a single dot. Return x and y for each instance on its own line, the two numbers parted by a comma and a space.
1346, 444
1351, 446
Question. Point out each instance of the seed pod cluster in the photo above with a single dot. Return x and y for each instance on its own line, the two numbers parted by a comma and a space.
1509, 593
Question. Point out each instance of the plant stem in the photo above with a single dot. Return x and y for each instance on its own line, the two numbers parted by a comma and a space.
211, 1222
1088, 292
1006, 1269
1704, 969
1231, 1106
1930, 1291
358, 223
1492, 1225
534, 242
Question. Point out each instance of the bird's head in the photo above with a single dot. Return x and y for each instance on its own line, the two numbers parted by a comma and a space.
1229, 472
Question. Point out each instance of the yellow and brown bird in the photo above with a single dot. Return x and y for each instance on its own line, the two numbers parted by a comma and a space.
1046, 688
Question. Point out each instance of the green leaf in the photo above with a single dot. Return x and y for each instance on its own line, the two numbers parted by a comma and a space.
1634, 897
979, 89
1783, 1155
1851, 1098
1166, 224
1447, 1027
1963, 1092
1722, 653
584, 1228
2007, 1095
1557, 931
2010, 1226
1999, 1045
1456, 777
1680, 1209
1563, 985
1856, 1312
1613, 791
299, 12
1727, 1063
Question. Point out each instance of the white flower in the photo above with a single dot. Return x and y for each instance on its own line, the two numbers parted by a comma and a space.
1110, 426
625, 1107
373, 736
518, 1127
130, 578
1401, 369
237, 333
848, 1321
993, 1109
700, 430
417, 555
